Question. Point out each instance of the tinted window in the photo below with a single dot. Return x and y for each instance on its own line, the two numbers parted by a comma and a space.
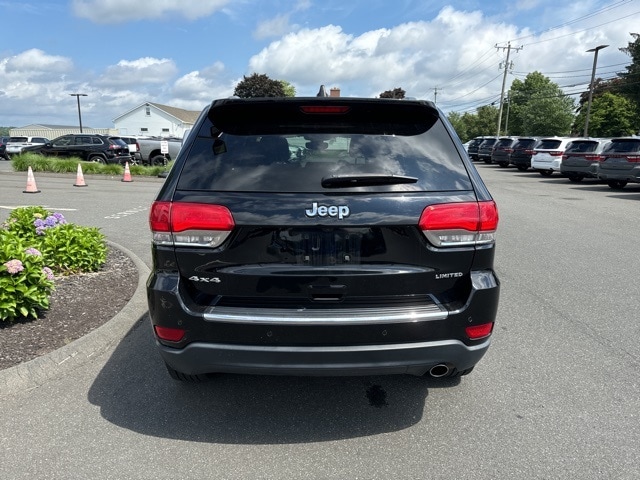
63, 141
582, 146
96, 141
18, 139
549, 144
505, 142
525, 143
630, 145
298, 160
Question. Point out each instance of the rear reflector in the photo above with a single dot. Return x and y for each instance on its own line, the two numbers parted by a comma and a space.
169, 334
190, 224
476, 332
460, 224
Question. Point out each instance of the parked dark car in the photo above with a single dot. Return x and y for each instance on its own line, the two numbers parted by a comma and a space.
322, 236
485, 150
3, 148
621, 162
472, 149
523, 151
89, 147
502, 151
582, 158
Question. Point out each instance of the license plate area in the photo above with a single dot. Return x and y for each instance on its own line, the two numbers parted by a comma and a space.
329, 246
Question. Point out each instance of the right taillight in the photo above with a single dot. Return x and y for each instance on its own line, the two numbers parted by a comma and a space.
190, 224
460, 224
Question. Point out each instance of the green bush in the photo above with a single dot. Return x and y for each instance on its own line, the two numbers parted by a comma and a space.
25, 282
21, 222
35, 243
73, 249
40, 163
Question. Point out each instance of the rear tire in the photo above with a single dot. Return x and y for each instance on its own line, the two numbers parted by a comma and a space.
575, 178
98, 159
522, 168
183, 377
159, 160
617, 184
503, 164
545, 173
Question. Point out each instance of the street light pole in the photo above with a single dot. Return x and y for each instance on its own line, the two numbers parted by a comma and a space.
593, 76
78, 95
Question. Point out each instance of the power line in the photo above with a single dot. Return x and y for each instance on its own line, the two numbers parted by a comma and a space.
576, 20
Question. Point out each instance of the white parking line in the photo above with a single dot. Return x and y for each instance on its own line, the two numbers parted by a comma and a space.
126, 213
8, 207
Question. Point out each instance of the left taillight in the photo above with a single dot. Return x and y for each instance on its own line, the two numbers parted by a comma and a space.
460, 224
190, 224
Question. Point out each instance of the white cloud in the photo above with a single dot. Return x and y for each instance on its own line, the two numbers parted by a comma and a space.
136, 72
35, 62
196, 89
275, 27
119, 11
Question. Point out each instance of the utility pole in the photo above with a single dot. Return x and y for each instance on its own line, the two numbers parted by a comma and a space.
78, 95
591, 85
507, 66
435, 95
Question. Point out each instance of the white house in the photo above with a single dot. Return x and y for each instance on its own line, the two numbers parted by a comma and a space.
154, 119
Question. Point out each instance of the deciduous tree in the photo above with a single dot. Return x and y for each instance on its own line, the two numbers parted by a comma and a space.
259, 85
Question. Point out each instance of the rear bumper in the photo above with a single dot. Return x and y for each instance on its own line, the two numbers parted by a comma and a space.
412, 358
625, 174
590, 171
326, 342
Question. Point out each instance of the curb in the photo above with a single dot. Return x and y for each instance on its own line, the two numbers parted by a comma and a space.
34, 373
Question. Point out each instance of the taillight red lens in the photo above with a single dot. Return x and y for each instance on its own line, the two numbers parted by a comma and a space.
197, 224
169, 334
200, 216
476, 332
460, 224
556, 153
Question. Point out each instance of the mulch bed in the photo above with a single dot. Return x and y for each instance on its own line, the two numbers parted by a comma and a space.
78, 305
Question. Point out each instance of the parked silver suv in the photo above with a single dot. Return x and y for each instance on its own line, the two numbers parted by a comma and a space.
621, 163
582, 158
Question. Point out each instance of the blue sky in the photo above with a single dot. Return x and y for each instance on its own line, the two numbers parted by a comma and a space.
185, 53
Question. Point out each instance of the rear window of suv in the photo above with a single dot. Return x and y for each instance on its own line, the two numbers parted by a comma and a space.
582, 146
255, 149
630, 145
549, 144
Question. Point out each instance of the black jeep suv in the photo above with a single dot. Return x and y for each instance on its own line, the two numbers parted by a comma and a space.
322, 236
90, 147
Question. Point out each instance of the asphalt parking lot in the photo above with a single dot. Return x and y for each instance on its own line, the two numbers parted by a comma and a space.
557, 396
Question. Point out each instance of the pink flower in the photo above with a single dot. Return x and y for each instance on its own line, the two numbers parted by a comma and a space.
14, 266
33, 251
48, 272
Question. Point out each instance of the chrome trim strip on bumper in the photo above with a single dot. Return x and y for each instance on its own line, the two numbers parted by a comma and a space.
330, 316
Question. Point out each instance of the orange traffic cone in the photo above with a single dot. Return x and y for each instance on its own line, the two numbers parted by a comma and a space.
79, 178
127, 173
31, 183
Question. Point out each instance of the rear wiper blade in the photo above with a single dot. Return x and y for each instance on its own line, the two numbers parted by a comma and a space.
365, 180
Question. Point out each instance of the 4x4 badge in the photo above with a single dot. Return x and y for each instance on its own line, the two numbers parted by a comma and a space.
340, 211
205, 279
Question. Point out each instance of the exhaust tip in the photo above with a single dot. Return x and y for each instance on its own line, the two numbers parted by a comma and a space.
440, 370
